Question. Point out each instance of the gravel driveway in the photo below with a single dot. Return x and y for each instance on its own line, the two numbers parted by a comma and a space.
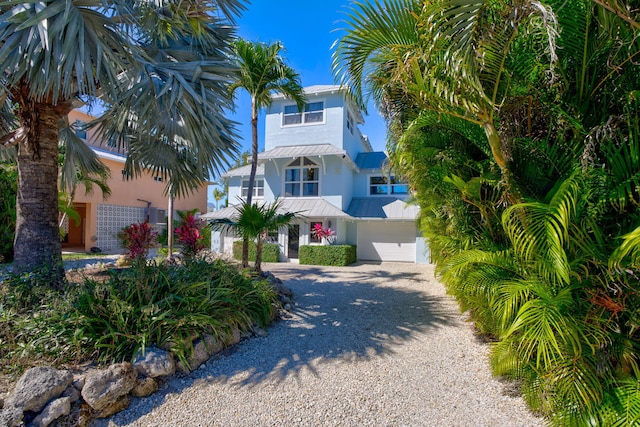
367, 345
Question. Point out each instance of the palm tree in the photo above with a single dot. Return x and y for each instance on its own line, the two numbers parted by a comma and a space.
263, 72
218, 195
254, 222
161, 70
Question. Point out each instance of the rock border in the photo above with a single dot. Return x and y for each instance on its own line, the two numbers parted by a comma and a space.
43, 395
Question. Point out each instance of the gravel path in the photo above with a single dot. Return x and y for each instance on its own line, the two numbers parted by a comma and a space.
368, 345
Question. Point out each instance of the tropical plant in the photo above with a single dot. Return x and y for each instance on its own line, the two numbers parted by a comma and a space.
161, 71
137, 239
218, 195
254, 222
189, 234
263, 72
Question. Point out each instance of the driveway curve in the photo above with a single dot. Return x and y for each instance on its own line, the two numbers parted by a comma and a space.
366, 345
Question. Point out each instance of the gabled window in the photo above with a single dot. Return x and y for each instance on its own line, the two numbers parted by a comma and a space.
258, 188
81, 130
384, 185
313, 113
302, 178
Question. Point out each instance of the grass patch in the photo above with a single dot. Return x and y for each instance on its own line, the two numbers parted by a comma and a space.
82, 255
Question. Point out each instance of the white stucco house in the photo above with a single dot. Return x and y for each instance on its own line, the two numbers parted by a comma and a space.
317, 163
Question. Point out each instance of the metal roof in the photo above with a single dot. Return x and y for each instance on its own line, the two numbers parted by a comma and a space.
294, 151
315, 89
383, 208
373, 160
243, 171
308, 207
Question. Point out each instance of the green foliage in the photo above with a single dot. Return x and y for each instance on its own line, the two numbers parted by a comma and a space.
159, 305
270, 251
338, 255
8, 191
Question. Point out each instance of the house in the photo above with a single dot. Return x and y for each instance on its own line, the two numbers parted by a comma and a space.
317, 163
131, 201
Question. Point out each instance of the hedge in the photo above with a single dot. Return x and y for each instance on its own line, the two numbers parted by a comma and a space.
338, 255
270, 251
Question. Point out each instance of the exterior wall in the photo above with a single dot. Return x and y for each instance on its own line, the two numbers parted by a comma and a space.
104, 218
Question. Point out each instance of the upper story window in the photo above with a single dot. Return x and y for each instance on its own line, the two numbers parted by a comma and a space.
302, 178
313, 113
385, 185
350, 122
81, 130
258, 188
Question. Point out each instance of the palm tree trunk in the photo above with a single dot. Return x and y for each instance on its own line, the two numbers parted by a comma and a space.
258, 265
252, 175
37, 240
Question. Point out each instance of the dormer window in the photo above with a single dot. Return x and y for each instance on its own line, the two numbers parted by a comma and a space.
385, 185
313, 113
258, 188
302, 178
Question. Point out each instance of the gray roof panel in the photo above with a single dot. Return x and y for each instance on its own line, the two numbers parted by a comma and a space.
373, 160
383, 208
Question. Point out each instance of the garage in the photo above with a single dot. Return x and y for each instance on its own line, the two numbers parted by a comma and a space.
387, 241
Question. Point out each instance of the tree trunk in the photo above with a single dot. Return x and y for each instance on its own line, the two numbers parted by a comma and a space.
258, 265
37, 241
252, 175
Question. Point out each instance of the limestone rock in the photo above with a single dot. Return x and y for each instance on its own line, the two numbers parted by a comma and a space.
72, 393
199, 356
54, 410
11, 417
145, 387
36, 387
104, 388
113, 408
214, 345
260, 332
233, 338
155, 363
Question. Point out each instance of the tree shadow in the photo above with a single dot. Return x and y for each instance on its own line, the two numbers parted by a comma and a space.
344, 315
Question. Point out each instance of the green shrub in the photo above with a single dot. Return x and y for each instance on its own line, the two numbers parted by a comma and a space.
8, 191
270, 251
338, 255
157, 305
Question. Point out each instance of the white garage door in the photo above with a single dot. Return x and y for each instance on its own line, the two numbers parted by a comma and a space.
387, 241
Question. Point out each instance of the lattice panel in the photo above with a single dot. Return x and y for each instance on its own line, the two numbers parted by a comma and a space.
111, 220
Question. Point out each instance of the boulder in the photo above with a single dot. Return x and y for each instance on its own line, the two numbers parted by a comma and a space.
54, 410
11, 417
36, 387
72, 393
232, 338
214, 345
114, 407
199, 356
154, 363
103, 388
145, 387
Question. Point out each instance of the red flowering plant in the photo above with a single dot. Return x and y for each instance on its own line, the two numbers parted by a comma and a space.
189, 235
326, 235
138, 238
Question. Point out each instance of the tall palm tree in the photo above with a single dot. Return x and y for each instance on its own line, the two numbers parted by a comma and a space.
263, 72
161, 69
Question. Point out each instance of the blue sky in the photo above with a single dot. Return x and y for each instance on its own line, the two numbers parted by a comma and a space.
307, 30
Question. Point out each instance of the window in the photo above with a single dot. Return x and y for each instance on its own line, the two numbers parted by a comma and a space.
258, 188
350, 122
272, 237
381, 185
81, 130
301, 178
313, 113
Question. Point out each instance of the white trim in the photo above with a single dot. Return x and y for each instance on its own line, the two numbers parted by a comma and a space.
303, 123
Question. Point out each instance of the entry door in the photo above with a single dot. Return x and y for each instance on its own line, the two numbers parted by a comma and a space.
294, 240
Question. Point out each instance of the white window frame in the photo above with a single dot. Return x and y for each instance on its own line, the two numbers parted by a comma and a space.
258, 189
300, 181
390, 185
304, 118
